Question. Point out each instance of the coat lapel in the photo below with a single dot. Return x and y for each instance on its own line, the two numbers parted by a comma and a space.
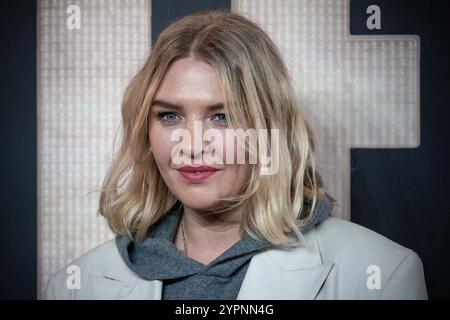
278, 273
118, 282
290, 274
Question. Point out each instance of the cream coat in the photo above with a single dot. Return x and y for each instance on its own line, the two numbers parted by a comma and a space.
341, 260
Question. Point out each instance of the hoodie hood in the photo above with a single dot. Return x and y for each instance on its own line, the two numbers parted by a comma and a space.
322, 211
156, 257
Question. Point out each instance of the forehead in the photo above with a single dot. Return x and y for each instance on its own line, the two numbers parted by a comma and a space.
190, 80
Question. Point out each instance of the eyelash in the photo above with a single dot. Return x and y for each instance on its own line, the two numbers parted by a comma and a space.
162, 114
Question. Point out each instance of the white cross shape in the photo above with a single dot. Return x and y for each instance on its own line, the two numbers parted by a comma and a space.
356, 91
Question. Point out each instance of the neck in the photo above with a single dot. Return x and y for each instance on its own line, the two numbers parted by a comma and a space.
208, 235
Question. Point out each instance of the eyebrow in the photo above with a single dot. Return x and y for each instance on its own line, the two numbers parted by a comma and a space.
169, 105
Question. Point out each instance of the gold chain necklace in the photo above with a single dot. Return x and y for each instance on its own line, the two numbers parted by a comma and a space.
183, 236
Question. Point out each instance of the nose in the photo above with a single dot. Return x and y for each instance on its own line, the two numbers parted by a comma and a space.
196, 146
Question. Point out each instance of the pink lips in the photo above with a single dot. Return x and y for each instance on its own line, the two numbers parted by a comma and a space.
197, 174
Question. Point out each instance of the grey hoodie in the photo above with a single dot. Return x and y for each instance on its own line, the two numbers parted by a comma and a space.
156, 257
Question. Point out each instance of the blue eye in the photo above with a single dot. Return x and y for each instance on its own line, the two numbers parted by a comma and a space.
221, 116
170, 116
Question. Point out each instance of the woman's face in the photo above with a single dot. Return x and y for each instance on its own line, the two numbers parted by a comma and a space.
190, 86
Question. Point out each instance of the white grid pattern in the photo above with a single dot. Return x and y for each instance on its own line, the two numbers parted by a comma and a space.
356, 91
81, 78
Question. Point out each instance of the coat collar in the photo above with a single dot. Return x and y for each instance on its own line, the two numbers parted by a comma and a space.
295, 273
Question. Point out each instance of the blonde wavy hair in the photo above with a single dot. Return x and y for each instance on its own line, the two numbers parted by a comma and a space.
257, 94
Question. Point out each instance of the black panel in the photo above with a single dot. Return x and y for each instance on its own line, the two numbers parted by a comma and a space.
165, 12
18, 150
404, 193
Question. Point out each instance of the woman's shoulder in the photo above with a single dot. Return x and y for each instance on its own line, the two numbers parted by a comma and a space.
74, 277
344, 243
368, 258
339, 237
98, 258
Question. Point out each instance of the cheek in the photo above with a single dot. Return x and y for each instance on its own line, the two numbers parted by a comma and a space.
237, 149
237, 175
244, 173
161, 144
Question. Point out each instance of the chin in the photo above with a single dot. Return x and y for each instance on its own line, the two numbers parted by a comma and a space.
198, 203
198, 196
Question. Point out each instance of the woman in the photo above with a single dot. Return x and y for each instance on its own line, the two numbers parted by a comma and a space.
188, 228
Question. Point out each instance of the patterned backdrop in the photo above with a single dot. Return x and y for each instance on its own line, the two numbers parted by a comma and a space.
356, 91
